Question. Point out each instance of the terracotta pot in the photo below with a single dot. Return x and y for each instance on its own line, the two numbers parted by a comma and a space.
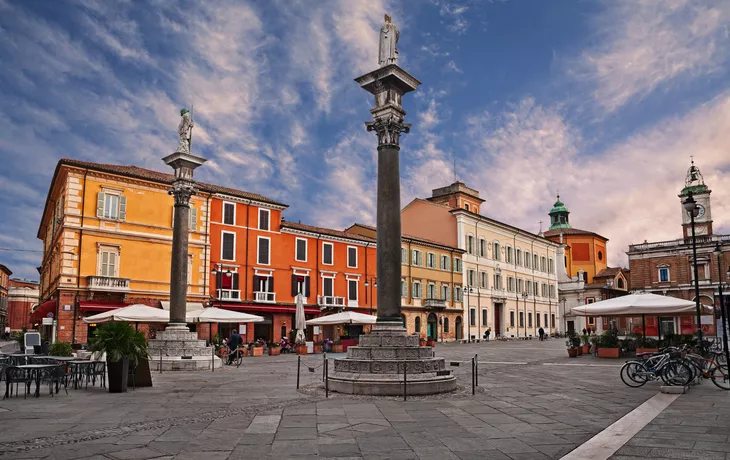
244, 351
257, 351
608, 352
572, 352
318, 348
421, 342
430, 342
274, 351
337, 348
301, 349
580, 350
585, 349
647, 350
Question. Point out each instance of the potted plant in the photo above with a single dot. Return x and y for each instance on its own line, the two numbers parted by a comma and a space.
586, 344
336, 348
646, 345
429, 342
422, 341
257, 349
61, 349
318, 347
570, 344
274, 349
122, 345
608, 344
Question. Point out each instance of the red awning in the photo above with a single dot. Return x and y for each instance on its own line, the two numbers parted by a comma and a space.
269, 308
43, 310
90, 305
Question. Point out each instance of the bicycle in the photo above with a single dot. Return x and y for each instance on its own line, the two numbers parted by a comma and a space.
236, 358
709, 368
667, 365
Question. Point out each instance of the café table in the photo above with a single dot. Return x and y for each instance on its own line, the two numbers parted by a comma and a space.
35, 370
78, 369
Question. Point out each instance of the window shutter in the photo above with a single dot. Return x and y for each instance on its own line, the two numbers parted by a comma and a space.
100, 204
294, 285
193, 220
306, 286
122, 208
415, 257
234, 281
271, 284
173, 217
420, 258
414, 290
255, 283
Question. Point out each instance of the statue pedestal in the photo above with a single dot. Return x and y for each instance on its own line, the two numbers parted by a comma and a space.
175, 342
376, 366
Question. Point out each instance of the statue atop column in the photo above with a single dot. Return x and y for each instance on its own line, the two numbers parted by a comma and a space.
185, 131
389, 34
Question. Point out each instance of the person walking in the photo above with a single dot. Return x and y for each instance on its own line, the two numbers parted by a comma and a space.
541, 331
487, 333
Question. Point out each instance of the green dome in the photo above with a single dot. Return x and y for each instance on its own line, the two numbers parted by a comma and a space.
559, 215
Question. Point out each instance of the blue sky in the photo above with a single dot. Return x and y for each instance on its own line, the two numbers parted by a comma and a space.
604, 101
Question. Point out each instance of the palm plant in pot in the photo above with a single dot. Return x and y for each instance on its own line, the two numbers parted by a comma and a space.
608, 344
122, 345
572, 343
586, 346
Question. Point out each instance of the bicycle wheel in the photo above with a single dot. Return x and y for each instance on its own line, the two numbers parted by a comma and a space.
239, 358
633, 374
676, 373
720, 376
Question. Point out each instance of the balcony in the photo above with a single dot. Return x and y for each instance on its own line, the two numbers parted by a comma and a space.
229, 294
434, 303
107, 283
330, 301
266, 297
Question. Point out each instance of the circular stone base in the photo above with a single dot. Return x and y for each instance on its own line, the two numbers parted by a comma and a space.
176, 363
390, 384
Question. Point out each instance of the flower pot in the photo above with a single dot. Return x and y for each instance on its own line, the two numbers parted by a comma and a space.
318, 348
244, 351
572, 352
421, 342
430, 342
337, 348
579, 350
585, 349
608, 352
257, 351
118, 373
274, 351
302, 349
647, 350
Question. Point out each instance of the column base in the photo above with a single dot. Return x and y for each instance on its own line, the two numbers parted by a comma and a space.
178, 349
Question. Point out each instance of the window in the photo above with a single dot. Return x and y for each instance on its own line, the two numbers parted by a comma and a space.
417, 290
228, 247
528, 287
664, 274
551, 266
457, 265
520, 285
328, 286
543, 264
404, 256
418, 324
534, 262
534, 288
192, 219
300, 285
482, 247
483, 279
510, 284
444, 263
458, 294
111, 206
108, 261
585, 277
537, 319
446, 325
552, 319
416, 258
511, 318
264, 250
403, 288
522, 319
466, 206
263, 283
431, 260
445, 292
328, 254
229, 213
484, 317
529, 319
546, 322
620, 283
470, 278
591, 320
527, 259
301, 250
351, 257
552, 292
352, 290
473, 316
509, 254
496, 254
600, 255
518, 258
431, 291
590, 300
498, 281
264, 219
470, 244
544, 289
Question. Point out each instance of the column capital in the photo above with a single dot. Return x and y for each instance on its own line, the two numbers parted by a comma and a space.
388, 129
182, 190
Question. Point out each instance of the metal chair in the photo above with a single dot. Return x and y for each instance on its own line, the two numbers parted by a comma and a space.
57, 375
17, 376
94, 370
18, 360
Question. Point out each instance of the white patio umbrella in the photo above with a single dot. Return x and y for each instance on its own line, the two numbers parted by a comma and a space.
299, 321
345, 317
136, 313
639, 304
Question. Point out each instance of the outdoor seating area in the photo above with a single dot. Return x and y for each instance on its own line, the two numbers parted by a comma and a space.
22, 372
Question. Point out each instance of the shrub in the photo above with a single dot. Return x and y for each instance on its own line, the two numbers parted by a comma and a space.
60, 349
119, 340
609, 339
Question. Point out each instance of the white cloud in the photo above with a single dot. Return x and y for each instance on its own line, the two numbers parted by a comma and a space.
434, 50
451, 65
645, 45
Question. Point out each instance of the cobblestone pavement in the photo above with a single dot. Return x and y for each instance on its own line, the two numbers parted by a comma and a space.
533, 403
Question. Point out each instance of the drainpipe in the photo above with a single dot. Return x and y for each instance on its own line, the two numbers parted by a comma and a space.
78, 271
245, 270
206, 249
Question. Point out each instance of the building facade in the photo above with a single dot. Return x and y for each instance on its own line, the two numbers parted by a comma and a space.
4, 285
667, 267
510, 279
431, 286
22, 297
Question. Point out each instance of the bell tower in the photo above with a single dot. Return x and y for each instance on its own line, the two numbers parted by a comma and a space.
695, 183
559, 215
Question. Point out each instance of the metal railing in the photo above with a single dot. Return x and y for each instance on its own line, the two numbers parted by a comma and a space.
679, 242
269, 297
107, 283
434, 303
330, 301
229, 294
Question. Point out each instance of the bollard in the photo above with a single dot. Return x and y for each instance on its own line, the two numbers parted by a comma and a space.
160, 360
323, 368
326, 379
212, 359
405, 380
299, 366
473, 376
476, 369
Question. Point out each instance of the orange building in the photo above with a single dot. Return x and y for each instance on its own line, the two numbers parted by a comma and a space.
260, 262
22, 296
4, 281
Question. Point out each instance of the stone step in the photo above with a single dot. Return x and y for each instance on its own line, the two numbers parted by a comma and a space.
389, 340
389, 366
157, 343
360, 352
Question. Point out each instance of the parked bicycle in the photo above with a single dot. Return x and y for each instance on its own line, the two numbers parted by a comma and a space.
712, 368
230, 359
666, 365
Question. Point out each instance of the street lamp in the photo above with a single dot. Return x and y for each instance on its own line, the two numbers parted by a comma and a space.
219, 276
468, 310
718, 254
566, 321
690, 205
524, 297
368, 284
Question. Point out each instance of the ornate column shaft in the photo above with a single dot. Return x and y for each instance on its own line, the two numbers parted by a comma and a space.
182, 190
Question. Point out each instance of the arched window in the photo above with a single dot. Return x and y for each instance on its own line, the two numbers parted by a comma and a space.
620, 283
446, 325
418, 324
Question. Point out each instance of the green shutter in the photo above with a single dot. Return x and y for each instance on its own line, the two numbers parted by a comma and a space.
122, 208
100, 204
193, 219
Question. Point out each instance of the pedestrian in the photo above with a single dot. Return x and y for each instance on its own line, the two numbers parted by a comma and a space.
541, 331
487, 333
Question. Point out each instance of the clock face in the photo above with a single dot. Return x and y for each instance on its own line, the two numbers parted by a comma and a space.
700, 210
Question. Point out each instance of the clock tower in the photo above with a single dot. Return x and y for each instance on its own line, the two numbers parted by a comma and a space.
695, 183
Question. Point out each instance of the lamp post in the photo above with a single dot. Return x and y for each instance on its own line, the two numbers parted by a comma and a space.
566, 321
690, 205
468, 310
218, 273
718, 254
371, 286
524, 297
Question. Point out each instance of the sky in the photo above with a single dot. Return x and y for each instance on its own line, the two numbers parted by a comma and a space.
603, 101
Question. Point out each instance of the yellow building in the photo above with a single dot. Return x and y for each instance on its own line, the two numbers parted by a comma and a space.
585, 252
431, 293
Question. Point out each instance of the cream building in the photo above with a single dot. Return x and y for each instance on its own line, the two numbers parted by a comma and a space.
510, 279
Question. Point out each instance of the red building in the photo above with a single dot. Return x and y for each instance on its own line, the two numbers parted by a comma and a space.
22, 296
